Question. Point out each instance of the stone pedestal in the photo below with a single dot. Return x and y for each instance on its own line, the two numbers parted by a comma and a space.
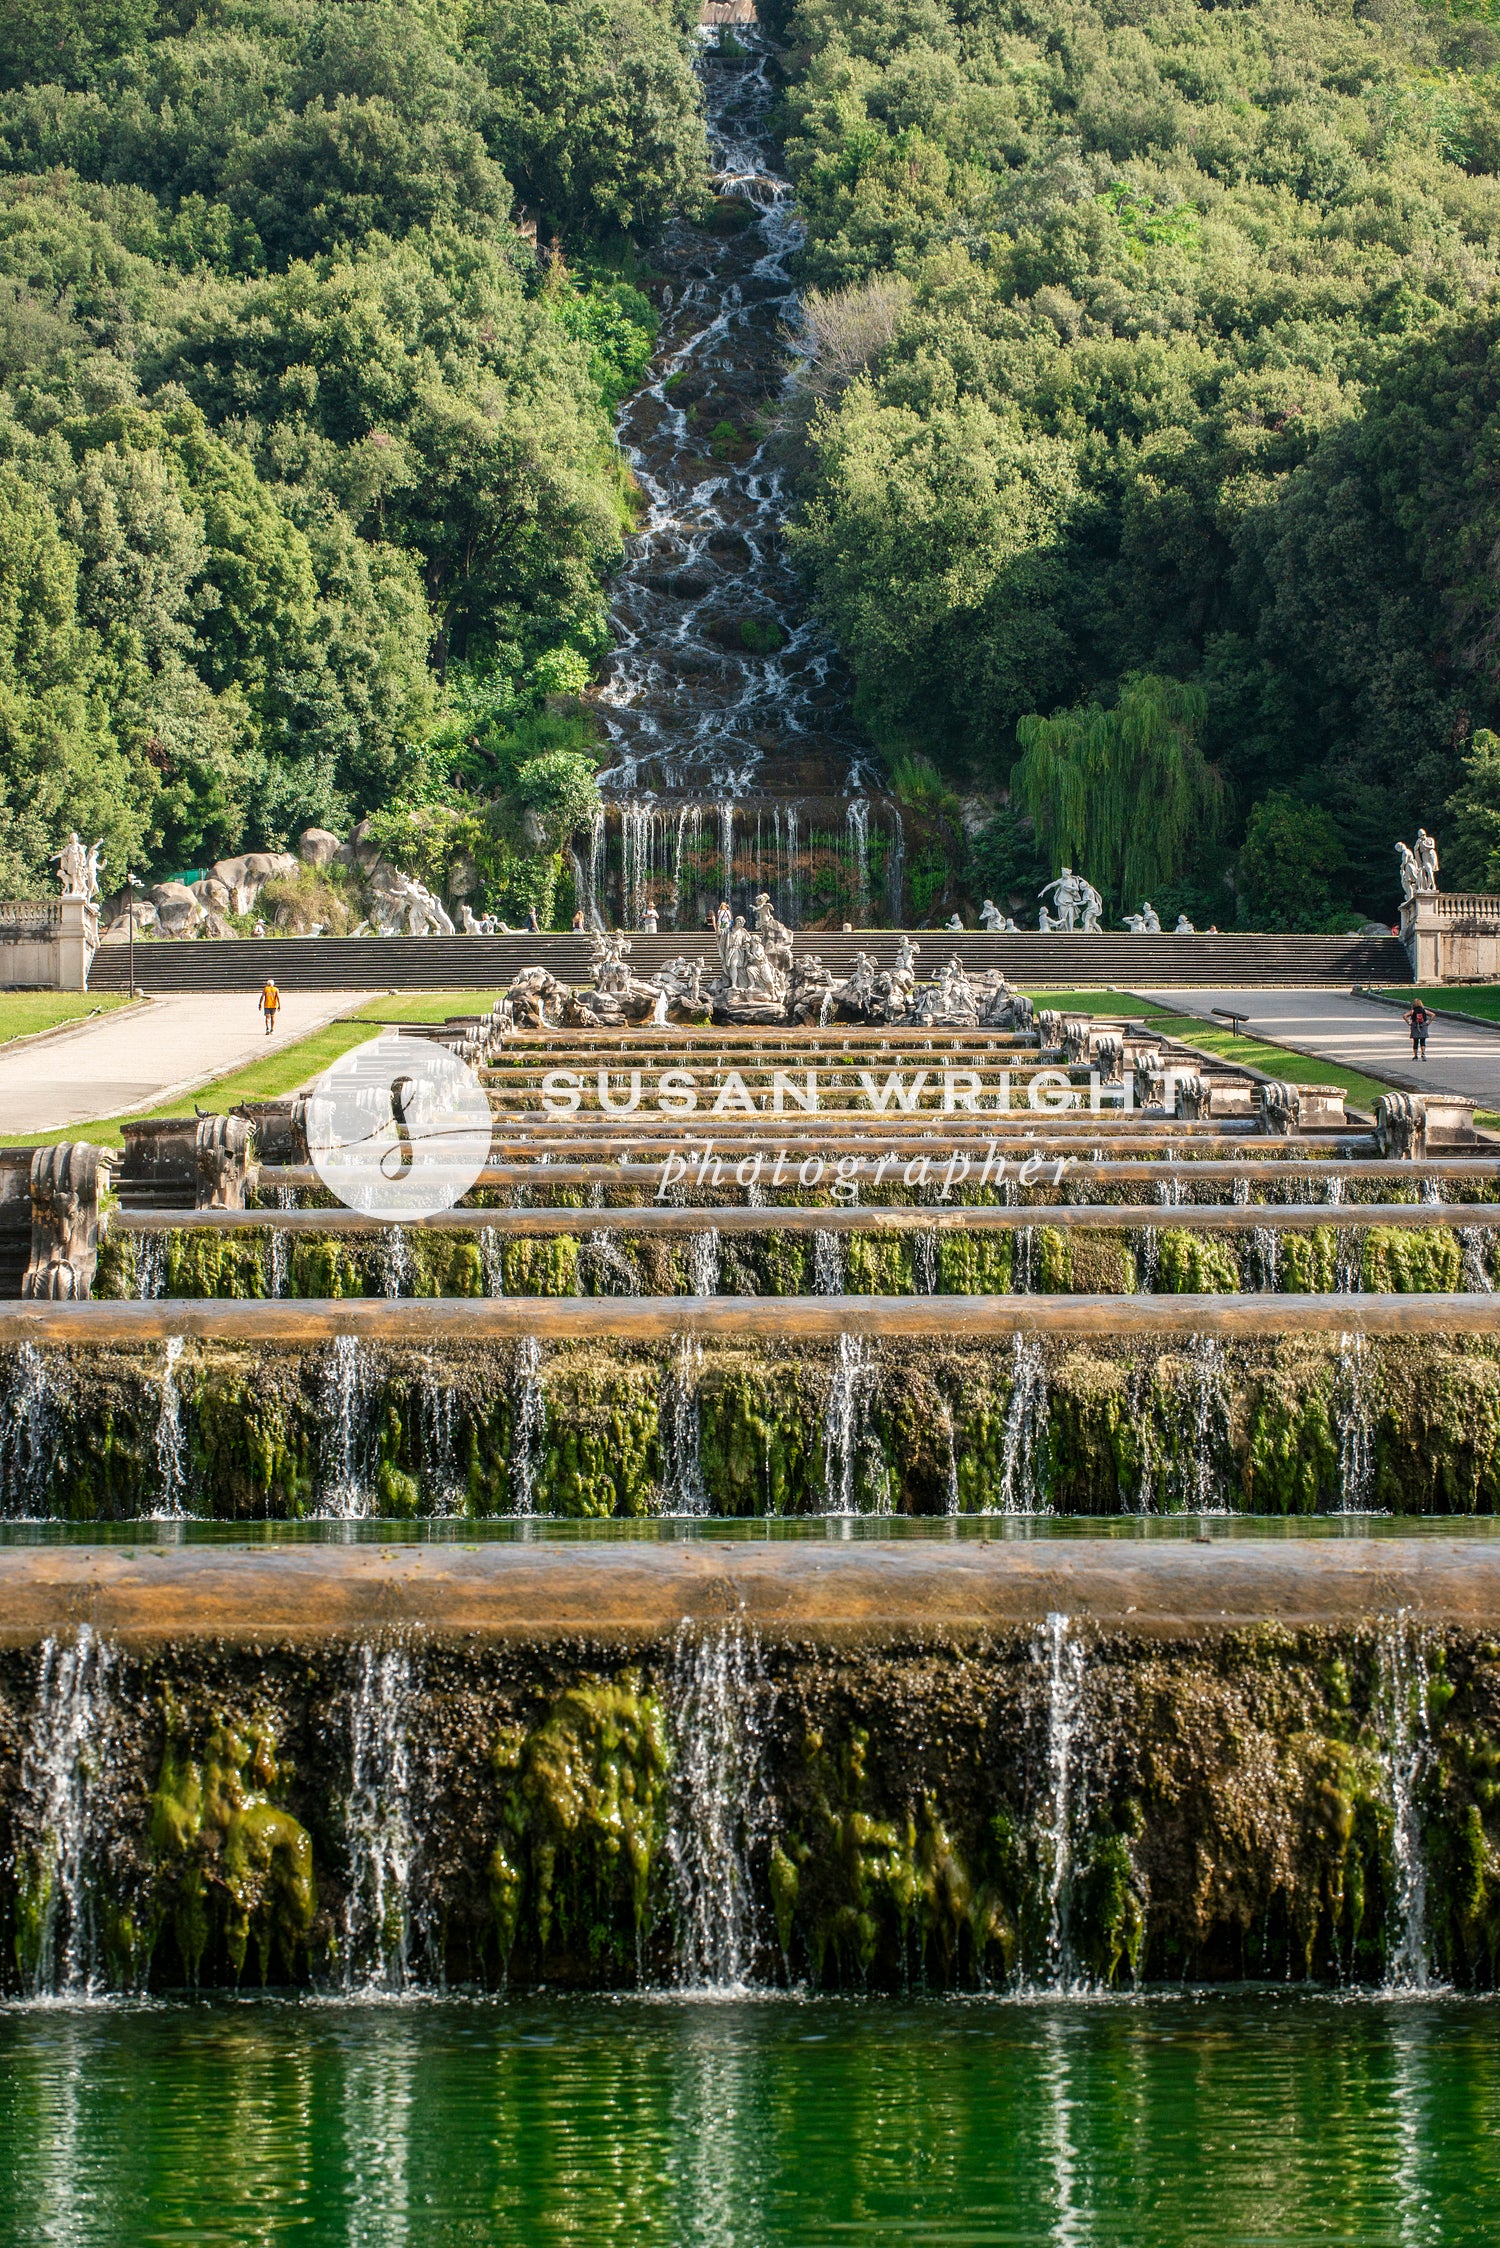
1451, 936
47, 946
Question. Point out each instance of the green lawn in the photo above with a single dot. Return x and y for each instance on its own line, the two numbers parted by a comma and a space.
1097, 1003
1454, 999
24, 1012
426, 1006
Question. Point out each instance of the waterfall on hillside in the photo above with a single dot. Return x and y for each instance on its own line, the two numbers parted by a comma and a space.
717, 1695
379, 1834
64, 1767
720, 697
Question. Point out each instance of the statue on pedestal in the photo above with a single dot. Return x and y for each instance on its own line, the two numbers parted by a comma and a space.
1427, 860
78, 868
1410, 871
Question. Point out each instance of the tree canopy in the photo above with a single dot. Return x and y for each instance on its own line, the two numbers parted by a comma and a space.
1191, 373
312, 315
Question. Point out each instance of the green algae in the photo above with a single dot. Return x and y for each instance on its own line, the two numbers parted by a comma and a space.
1195, 1264
541, 1265
759, 1430
583, 1820
231, 1866
1407, 1261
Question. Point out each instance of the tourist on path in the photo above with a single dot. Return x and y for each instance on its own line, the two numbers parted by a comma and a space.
270, 1001
1417, 1019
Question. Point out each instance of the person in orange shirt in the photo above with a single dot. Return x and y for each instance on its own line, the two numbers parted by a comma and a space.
270, 1000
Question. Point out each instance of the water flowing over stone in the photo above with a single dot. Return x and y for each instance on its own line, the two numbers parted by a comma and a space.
394, 1263
378, 1825
1063, 1657
345, 1395
1406, 1752
848, 1441
732, 761
492, 1260
529, 1427
1477, 1242
1354, 1419
683, 1488
703, 1264
151, 1267
63, 1767
717, 1697
171, 1438
1021, 1490
829, 1264
28, 1435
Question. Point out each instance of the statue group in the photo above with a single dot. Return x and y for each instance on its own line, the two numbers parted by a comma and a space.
1418, 867
759, 980
1077, 904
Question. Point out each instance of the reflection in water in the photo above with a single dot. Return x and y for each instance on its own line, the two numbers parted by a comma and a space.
1258, 2119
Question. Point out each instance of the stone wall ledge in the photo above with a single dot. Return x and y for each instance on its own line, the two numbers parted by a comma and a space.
615, 1596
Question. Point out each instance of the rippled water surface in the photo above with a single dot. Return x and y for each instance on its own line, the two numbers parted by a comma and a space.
1182, 2120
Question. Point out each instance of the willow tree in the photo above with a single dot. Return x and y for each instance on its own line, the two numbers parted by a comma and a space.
1123, 794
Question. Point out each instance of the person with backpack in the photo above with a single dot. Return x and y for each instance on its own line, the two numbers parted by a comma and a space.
1417, 1020
270, 1001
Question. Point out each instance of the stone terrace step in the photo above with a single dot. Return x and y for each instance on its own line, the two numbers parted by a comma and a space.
491, 963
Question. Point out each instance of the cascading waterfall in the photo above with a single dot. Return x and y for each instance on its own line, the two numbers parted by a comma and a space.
1476, 1243
717, 1703
829, 1264
683, 1488
64, 1768
1063, 1657
1405, 1752
394, 1263
492, 1260
719, 683
847, 1433
1354, 1419
704, 1263
924, 1263
171, 1439
1021, 1490
1199, 1430
150, 1267
347, 1380
438, 1422
528, 1428
28, 1435
378, 1828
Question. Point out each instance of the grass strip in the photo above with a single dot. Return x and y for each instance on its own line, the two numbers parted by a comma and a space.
1481, 1000
24, 1013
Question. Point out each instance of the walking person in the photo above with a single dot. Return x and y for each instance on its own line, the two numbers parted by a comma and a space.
1417, 1019
270, 1001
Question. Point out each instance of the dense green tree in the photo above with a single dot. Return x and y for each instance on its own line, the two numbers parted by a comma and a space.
1122, 793
1161, 341
1292, 865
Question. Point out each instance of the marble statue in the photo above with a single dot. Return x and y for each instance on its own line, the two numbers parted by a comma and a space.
954, 926
1427, 860
990, 916
1146, 923
774, 935
405, 907
1183, 927
1078, 903
78, 868
1411, 873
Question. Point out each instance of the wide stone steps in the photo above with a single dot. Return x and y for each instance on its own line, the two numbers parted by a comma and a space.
1028, 958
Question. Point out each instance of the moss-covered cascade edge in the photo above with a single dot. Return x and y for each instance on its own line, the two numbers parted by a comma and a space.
199, 1263
1283, 1426
896, 1812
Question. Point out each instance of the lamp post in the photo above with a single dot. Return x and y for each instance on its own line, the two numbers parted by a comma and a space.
130, 927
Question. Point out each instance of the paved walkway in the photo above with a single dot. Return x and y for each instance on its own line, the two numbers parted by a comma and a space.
1362, 1034
142, 1056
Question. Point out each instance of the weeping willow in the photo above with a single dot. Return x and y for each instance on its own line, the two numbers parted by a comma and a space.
1123, 795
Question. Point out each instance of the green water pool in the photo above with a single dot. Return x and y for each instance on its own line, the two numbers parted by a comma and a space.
1172, 2121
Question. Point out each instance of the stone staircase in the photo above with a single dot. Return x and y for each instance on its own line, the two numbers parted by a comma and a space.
1030, 960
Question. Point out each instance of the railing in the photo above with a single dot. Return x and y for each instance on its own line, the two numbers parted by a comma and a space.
28, 916
1467, 905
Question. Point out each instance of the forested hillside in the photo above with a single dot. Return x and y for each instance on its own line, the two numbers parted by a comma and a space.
307, 489
1154, 339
